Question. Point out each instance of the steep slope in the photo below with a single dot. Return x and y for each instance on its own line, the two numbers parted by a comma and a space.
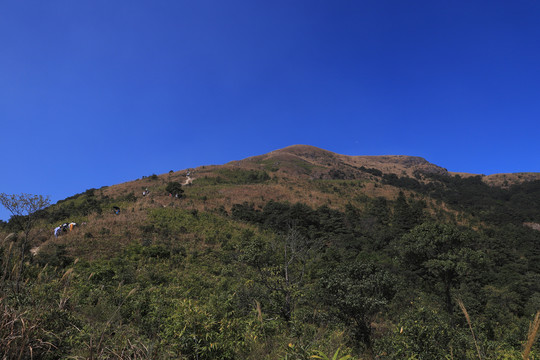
297, 253
298, 173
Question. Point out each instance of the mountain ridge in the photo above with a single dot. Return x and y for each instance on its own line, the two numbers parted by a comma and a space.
402, 165
235, 254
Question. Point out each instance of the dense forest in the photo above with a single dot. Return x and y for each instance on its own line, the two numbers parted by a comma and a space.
377, 278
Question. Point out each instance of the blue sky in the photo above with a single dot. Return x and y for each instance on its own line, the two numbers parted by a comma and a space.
96, 93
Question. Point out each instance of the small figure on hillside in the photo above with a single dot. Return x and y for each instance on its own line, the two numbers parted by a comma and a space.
65, 227
72, 225
116, 210
57, 231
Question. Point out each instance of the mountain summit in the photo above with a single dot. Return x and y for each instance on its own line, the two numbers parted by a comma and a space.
319, 163
315, 163
299, 253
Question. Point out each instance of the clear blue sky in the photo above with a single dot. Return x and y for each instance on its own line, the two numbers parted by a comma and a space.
96, 93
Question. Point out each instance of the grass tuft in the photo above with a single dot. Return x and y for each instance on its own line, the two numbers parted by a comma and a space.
466, 313
533, 332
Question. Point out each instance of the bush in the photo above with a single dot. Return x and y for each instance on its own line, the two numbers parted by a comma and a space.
175, 188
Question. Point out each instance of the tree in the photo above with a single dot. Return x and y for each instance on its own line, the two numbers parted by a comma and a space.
440, 254
23, 208
280, 266
406, 216
175, 188
359, 291
378, 209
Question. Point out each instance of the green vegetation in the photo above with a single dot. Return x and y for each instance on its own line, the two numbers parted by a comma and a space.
270, 165
235, 177
175, 189
496, 205
81, 205
385, 279
273, 165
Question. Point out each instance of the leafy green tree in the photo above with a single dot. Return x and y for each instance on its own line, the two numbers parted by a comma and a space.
378, 209
440, 254
359, 291
406, 215
245, 212
175, 188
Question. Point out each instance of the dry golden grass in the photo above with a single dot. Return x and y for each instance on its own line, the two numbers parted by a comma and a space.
506, 180
468, 318
297, 179
102, 235
292, 182
531, 338
20, 338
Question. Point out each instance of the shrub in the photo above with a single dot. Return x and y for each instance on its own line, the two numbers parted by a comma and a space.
175, 188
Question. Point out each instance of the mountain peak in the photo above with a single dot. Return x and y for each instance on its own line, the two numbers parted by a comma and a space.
318, 163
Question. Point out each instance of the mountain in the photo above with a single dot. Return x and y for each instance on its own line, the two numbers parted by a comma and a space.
320, 164
300, 167
297, 253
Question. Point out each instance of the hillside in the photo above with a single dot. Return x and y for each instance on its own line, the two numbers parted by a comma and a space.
321, 164
297, 253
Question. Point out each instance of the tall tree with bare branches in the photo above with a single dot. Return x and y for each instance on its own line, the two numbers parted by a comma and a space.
23, 208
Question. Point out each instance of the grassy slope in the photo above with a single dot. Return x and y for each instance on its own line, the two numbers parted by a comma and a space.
297, 174
200, 237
